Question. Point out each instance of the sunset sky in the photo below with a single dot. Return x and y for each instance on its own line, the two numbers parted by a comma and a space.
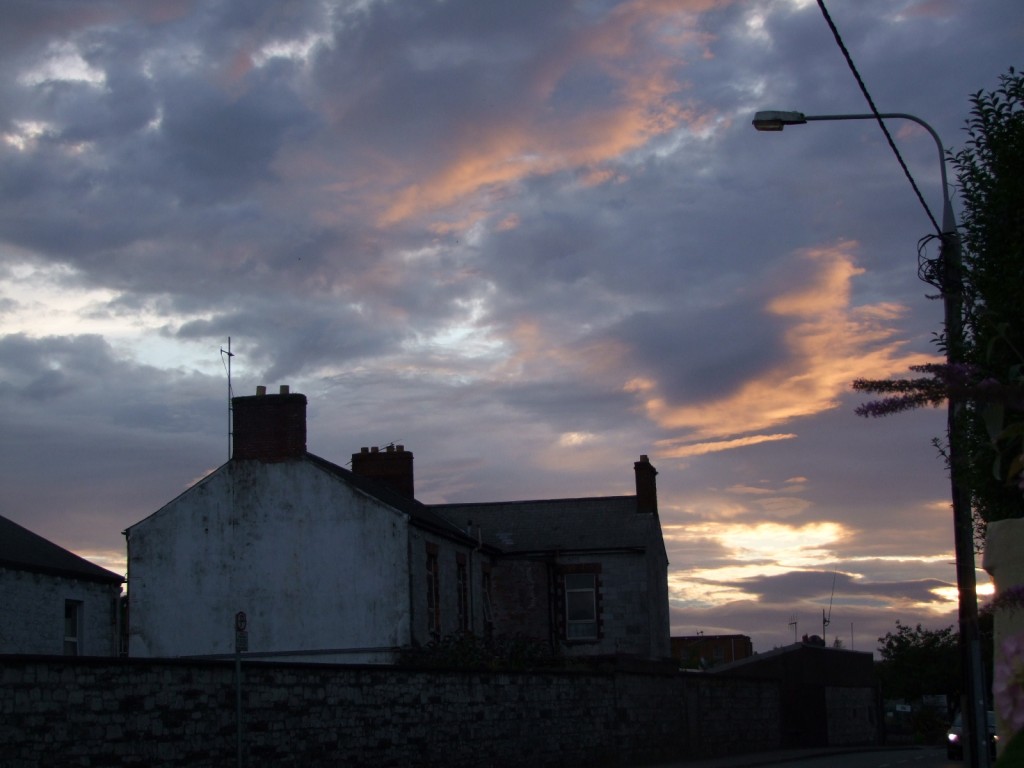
528, 240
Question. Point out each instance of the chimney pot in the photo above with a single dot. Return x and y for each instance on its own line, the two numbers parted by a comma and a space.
269, 427
646, 486
261, 390
285, 389
389, 467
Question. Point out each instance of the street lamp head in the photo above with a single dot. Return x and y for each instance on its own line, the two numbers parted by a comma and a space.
774, 120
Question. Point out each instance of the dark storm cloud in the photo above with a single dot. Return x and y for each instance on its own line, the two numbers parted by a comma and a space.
700, 355
804, 585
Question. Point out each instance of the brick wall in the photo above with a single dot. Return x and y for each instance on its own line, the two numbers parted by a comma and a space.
121, 712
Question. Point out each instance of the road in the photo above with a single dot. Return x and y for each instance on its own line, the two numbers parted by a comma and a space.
906, 757
902, 758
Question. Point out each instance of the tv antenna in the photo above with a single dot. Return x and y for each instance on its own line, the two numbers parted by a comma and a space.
225, 358
825, 621
792, 623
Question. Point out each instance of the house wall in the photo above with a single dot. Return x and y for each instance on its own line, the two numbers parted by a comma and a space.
521, 590
32, 613
448, 554
626, 603
631, 592
853, 715
315, 564
183, 713
659, 618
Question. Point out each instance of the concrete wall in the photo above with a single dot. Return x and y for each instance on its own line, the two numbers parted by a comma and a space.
143, 712
32, 613
314, 563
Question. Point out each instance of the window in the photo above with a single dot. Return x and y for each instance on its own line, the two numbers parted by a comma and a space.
72, 627
486, 596
581, 606
433, 592
462, 587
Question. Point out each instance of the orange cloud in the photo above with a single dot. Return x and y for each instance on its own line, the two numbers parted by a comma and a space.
700, 449
829, 343
637, 48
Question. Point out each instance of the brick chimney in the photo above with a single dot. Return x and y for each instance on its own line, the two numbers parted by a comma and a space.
391, 467
646, 486
269, 427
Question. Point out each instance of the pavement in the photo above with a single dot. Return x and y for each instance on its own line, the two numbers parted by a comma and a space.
753, 759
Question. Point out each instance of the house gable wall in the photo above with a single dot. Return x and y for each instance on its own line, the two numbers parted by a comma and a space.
315, 564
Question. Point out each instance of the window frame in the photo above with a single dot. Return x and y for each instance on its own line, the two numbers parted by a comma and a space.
433, 591
462, 591
73, 610
591, 628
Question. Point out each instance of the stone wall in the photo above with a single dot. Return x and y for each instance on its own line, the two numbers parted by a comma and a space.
149, 712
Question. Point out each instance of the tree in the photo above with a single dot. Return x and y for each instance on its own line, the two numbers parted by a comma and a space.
917, 662
990, 170
990, 381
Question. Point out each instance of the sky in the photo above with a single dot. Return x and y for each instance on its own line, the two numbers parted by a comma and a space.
529, 241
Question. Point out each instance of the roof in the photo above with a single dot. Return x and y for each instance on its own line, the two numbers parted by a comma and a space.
419, 513
22, 550
604, 523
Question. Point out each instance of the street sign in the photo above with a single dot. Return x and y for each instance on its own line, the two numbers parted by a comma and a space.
241, 632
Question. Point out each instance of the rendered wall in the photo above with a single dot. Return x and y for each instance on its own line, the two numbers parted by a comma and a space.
314, 564
182, 713
32, 613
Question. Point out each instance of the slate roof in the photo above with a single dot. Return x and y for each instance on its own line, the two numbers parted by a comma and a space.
419, 513
22, 550
605, 523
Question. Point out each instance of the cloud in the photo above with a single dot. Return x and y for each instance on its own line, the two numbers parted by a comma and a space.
529, 240
826, 344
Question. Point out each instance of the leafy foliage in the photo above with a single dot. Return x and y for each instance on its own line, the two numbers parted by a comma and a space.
917, 661
990, 169
988, 374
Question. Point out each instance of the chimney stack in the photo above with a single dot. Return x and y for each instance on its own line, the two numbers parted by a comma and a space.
391, 467
269, 427
646, 486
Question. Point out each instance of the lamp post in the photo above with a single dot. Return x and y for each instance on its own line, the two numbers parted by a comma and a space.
975, 702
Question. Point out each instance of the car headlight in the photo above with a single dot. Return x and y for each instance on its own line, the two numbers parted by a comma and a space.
953, 737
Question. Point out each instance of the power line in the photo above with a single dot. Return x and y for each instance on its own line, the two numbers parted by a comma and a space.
874, 111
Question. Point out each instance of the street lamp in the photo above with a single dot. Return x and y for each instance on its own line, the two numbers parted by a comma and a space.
975, 701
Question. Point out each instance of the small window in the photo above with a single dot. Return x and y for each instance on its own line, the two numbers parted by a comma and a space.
433, 592
462, 587
580, 606
72, 627
486, 595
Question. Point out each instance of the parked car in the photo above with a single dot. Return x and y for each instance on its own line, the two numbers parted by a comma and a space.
955, 737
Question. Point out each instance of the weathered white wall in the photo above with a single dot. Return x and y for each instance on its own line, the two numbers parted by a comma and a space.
315, 565
32, 614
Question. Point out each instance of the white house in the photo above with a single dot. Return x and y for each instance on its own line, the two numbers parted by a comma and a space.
52, 601
329, 564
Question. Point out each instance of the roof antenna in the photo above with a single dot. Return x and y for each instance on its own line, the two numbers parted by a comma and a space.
826, 621
225, 357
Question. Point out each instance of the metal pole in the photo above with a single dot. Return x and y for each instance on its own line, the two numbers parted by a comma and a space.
238, 709
975, 716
